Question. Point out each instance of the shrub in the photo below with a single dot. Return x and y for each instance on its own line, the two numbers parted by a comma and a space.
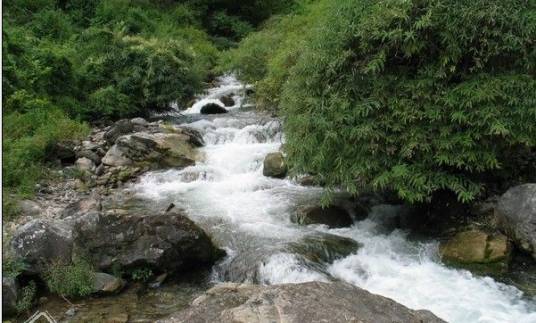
26, 298
74, 279
141, 274
409, 96
414, 96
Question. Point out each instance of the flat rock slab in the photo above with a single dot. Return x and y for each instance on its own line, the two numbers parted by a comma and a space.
297, 303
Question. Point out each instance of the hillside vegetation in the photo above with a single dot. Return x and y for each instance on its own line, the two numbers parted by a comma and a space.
416, 97
67, 63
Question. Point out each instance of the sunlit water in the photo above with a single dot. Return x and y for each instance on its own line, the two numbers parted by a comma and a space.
249, 215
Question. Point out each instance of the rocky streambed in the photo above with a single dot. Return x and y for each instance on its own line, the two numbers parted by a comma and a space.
202, 197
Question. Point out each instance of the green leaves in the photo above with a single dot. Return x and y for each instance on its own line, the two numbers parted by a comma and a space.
409, 96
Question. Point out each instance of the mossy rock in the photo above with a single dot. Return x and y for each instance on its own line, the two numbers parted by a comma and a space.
478, 251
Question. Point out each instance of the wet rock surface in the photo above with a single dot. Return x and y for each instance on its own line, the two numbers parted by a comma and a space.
274, 165
516, 213
213, 108
306, 302
488, 252
333, 216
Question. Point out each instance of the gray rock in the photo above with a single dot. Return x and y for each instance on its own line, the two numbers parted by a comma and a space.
516, 214
99, 170
89, 154
139, 122
274, 165
227, 100
82, 207
120, 128
212, 108
107, 284
296, 303
324, 247
168, 242
155, 151
10, 292
333, 216
40, 242
29, 208
85, 164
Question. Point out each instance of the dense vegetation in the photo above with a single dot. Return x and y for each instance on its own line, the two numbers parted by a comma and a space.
72, 62
414, 96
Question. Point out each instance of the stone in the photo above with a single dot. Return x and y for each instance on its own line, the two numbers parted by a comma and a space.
71, 311
167, 242
476, 247
212, 108
139, 122
10, 293
296, 303
40, 242
29, 208
324, 247
82, 207
89, 154
333, 216
99, 170
516, 215
227, 100
85, 164
274, 165
156, 151
107, 284
120, 128
117, 318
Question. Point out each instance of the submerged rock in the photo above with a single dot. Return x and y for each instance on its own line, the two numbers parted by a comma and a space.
324, 247
333, 216
213, 108
40, 242
477, 250
297, 303
167, 242
516, 213
274, 165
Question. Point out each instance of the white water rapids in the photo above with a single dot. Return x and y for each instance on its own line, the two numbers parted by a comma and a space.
249, 215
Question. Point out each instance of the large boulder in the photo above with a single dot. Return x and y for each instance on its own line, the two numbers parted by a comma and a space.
40, 242
516, 213
155, 151
477, 250
29, 207
167, 242
118, 129
10, 293
296, 303
212, 108
324, 247
333, 216
274, 165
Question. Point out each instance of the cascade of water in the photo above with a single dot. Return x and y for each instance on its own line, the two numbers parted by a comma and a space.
248, 214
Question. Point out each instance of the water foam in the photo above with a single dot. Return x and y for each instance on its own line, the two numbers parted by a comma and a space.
253, 211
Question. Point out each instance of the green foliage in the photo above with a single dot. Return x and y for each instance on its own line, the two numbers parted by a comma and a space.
12, 267
410, 96
26, 298
141, 274
74, 279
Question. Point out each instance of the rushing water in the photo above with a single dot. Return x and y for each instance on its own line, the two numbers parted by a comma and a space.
249, 215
